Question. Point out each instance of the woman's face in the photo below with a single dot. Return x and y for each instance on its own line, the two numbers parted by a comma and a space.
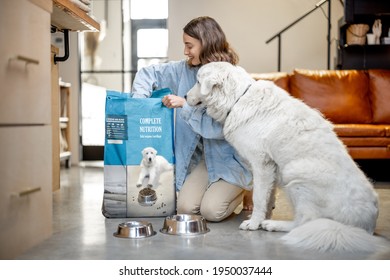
192, 49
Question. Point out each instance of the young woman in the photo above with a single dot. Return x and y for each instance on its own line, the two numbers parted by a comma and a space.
210, 176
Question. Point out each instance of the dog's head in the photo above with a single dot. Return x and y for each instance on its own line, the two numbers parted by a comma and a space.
148, 155
219, 85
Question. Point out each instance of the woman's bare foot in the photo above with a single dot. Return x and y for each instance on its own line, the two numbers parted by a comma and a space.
247, 201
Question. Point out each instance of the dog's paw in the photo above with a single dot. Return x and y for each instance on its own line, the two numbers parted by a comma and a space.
268, 225
150, 185
139, 185
250, 225
274, 225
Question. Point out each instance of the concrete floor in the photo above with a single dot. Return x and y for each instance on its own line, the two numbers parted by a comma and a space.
81, 232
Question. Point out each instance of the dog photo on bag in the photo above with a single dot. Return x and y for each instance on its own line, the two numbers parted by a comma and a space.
152, 166
292, 146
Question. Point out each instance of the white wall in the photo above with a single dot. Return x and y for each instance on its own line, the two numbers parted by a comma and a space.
248, 24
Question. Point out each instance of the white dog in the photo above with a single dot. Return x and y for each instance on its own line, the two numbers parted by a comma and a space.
291, 145
152, 166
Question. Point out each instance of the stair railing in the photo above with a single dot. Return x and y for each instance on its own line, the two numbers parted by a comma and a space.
279, 34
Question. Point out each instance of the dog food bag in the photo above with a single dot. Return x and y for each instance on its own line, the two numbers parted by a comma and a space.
138, 156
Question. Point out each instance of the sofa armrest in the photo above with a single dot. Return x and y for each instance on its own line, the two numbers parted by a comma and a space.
281, 79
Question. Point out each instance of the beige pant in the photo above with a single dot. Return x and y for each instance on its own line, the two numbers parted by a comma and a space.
214, 203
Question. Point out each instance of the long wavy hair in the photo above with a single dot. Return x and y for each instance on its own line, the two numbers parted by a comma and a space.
215, 47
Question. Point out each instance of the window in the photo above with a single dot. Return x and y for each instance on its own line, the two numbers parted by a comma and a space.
141, 9
136, 35
149, 32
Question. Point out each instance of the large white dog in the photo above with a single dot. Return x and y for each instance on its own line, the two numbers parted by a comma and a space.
291, 145
152, 165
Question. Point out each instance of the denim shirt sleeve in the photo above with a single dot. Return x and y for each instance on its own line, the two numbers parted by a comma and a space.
201, 123
148, 79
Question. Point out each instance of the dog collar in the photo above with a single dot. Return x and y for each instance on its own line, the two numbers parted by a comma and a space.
245, 91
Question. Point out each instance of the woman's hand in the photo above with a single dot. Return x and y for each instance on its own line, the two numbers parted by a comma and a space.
173, 101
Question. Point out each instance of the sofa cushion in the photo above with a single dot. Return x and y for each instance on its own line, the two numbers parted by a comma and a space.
380, 95
341, 95
362, 130
369, 152
281, 79
366, 141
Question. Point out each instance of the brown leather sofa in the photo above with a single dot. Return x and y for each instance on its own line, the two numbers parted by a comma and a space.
357, 102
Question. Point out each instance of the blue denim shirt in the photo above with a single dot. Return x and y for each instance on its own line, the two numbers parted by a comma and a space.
192, 123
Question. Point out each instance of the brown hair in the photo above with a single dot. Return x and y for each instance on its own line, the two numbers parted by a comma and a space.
214, 44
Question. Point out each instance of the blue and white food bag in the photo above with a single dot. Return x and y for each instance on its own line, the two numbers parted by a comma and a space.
131, 125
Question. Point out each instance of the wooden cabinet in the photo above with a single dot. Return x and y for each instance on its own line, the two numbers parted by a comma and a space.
29, 117
25, 63
67, 15
25, 125
25, 192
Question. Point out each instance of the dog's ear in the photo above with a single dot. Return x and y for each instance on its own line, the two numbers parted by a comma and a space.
209, 83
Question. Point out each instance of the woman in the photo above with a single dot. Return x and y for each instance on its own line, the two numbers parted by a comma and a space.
210, 176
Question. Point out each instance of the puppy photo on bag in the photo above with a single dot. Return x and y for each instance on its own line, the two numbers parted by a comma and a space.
152, 166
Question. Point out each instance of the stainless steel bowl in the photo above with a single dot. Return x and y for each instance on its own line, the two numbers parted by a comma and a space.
147, 197
183, 224
135, 229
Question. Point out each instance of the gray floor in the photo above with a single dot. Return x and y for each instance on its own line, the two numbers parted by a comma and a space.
80, 231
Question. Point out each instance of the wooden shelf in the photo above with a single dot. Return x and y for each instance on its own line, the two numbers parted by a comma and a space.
64, 84
363, 57
65, 156
66, 15
64, 122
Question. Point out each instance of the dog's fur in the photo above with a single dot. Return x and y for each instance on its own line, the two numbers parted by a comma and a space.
152, 165
291, 145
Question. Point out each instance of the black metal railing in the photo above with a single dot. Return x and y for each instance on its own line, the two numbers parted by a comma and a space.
279, 34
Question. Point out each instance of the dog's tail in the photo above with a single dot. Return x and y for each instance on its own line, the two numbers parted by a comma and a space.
328, 235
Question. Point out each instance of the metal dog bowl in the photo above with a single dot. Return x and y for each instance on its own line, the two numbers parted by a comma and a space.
134, 229
183, 224
147, 197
